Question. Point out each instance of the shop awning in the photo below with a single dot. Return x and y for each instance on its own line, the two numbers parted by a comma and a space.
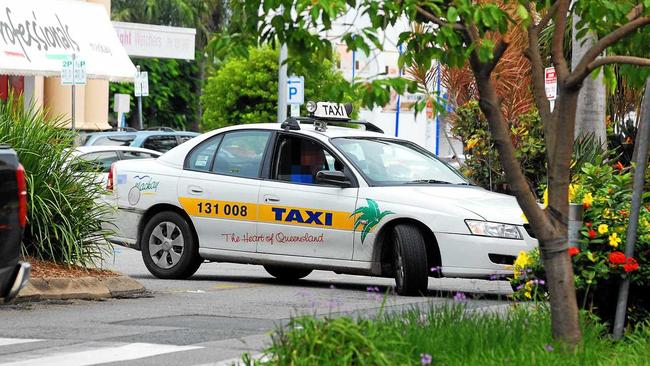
37, 35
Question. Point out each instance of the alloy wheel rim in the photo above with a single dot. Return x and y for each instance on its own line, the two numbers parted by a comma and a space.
166, 245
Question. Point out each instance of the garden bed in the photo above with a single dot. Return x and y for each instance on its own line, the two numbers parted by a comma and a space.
448, 336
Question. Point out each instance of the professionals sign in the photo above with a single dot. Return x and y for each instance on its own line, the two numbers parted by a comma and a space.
36, 36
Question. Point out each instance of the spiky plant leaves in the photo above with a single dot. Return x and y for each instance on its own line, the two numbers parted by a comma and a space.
64, 220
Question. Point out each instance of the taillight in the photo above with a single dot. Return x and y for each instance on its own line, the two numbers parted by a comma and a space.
22, 195
111, 174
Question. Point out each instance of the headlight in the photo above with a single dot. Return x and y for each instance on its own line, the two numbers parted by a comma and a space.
493, 229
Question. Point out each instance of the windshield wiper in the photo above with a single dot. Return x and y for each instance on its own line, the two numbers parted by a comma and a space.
428, 181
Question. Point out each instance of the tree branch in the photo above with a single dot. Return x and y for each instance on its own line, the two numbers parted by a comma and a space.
580, 72
547, 17
627, 60
557, 43
635, 12
499, 49
437, 20
537, 75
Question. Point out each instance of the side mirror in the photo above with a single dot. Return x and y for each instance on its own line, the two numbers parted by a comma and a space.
334, 178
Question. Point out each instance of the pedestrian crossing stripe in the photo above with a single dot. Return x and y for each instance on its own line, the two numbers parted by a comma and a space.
12, 341
92, 354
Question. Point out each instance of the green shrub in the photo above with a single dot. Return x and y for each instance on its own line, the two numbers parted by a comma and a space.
64, 221
449, 336
482, 164
245, 90
605, 193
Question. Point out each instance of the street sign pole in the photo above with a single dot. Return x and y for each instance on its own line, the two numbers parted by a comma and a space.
140, 125
73, 91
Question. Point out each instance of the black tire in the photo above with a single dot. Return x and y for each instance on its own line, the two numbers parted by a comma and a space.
287, 273
409, 261
185, 259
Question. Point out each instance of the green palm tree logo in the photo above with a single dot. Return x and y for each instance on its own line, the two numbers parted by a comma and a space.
368, 216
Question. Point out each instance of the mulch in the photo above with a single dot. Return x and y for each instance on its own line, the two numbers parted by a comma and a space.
45, 269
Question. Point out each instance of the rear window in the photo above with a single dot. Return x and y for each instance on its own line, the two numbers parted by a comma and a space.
125, 140
160, 143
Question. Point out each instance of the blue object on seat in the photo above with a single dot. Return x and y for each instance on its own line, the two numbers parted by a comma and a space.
302, 178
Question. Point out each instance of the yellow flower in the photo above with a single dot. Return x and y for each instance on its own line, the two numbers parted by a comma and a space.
587, 200
614, 240
606, 213
471, 143
572, 191
603, 229
521, 262
528, 295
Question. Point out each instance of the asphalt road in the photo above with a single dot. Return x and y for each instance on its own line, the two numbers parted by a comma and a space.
221, 312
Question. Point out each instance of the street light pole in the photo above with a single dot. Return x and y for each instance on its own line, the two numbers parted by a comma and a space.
282, 84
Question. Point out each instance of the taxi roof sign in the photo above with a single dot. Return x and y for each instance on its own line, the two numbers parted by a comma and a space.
332, 111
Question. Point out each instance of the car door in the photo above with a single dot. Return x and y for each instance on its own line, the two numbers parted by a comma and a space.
220, 186
299, 216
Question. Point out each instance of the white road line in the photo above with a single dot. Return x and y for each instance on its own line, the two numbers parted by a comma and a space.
10, 341
126, 352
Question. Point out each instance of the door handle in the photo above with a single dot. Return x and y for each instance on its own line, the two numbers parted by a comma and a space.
195, 190
268, 198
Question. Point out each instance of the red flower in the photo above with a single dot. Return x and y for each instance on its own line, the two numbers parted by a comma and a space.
619, 166
573, 251
623, 213
617, 257
589, 224
631, 265
592, 234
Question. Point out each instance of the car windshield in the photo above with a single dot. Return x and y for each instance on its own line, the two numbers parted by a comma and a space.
394, 162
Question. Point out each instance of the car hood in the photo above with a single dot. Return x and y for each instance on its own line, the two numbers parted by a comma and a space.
490, 206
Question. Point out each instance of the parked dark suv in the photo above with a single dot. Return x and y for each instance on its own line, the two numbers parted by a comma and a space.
13, 217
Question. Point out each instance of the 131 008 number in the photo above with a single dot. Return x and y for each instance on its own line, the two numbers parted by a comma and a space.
227, 209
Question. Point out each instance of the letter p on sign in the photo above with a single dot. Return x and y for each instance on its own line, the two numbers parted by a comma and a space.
295, 90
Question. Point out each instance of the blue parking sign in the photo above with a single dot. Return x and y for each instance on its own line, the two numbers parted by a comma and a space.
295, 89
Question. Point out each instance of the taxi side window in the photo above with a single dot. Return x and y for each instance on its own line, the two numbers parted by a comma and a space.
202, 156
299, 160
241, 152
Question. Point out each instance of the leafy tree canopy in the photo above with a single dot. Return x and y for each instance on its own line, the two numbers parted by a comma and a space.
245, 89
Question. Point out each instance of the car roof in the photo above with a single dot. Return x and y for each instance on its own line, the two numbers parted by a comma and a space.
142, 133
175, 156
89, 149
308, 129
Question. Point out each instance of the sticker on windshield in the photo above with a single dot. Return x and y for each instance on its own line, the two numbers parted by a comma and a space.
368, 217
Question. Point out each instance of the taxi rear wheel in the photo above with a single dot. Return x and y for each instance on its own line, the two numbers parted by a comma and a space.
409, 260
168, 247
287, 273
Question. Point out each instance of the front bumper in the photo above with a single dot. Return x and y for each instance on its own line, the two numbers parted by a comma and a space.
17, 280
474, 256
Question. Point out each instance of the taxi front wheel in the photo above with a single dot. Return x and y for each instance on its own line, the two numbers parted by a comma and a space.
409, 260
287, 273
168, 247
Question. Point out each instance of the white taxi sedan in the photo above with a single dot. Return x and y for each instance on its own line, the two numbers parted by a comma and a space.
307, 195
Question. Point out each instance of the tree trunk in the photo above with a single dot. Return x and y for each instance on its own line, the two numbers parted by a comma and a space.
550, 230
592, 107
